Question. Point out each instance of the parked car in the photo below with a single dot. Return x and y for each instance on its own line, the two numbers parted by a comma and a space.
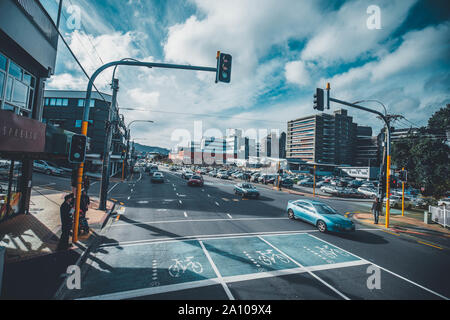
45, 167
246, 190
368, 192
396, 202
152, 169
286, 183
319, 214
222, 175
308, 182
187, 174
196, 180
445, 201
157, 177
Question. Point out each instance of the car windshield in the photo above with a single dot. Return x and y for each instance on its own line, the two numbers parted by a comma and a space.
247, 186
196, 177
324, 209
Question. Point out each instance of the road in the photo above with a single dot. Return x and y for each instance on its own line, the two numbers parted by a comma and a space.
171, 241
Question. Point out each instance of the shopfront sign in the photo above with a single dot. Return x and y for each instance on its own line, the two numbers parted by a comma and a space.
20, 134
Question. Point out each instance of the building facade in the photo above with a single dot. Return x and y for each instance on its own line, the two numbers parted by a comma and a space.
367, 148
28, 47
322, 138
64, 109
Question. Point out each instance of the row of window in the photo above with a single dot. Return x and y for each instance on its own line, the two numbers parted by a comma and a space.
63, 102
16, 88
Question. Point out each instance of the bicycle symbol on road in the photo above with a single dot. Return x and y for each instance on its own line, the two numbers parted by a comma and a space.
269, 258
179, 267
331, 252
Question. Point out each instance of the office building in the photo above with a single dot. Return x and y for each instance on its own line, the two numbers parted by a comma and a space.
322, 138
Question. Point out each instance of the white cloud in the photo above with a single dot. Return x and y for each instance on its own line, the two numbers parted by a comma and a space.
295, 72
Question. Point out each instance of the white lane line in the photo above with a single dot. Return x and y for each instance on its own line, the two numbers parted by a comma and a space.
153, 290
219, 276
217, 204
391, 272
128, 197
113, 187
204, 237
310, 272
180, 201
140, 177
276, 273
185, 214
203, 190
209, 196
201, 220
48, 184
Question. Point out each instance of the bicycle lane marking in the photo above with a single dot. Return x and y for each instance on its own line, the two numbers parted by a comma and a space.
219, 276
308, 271
388, 271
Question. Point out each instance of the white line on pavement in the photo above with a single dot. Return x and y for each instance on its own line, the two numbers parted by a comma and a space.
217, 204
201, 220
219, 276
391, 272
229, 215
113, 187
180, 201
312, 274
185, 214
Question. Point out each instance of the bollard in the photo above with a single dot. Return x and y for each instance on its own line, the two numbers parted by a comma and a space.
2, 262
426, 217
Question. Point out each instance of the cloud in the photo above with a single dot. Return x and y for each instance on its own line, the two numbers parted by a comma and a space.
343, 36
296, 72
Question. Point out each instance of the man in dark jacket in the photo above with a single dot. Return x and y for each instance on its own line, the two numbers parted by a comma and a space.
376, 209
66, 211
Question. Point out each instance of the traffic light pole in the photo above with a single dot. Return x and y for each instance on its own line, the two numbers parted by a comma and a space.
107, 146
84, 124
388, 150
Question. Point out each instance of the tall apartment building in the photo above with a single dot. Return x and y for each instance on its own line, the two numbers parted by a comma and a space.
274, 146
322, 138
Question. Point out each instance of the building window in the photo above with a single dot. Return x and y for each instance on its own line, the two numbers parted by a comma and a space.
20, 95
2, 62
2, 84
92, 103
81, 102
15, 70
65, 102
46, 102
59, 102
53, 102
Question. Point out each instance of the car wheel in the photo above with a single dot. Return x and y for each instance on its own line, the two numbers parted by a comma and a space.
48, 171
291, 214
321, 226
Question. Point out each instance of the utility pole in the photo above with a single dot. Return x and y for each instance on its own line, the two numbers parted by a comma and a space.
107, 148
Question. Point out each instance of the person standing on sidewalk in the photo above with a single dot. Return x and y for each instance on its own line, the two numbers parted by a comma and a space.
74, 179
65, 211
376, 209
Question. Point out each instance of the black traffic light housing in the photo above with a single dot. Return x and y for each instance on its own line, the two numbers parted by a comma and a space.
224, 68
77, 148
318, 99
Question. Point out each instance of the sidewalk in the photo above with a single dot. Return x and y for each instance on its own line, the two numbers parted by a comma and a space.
37, 233
409, 225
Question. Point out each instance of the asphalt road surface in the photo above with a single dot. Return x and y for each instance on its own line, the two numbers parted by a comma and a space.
172, 241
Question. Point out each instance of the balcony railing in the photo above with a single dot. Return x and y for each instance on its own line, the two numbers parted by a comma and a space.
39, 16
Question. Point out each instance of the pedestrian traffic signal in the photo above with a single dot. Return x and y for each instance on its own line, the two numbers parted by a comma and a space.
77, 148
224, 68
318, 100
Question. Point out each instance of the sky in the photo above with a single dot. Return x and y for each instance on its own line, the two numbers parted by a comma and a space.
282, 50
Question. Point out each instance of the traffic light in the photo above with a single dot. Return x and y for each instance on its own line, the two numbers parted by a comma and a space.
318, 100
77, 148
403, 176
224, 68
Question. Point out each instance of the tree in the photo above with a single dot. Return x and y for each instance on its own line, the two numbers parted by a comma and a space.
426, 156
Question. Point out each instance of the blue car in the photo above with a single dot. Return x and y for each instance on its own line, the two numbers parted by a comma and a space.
324, 217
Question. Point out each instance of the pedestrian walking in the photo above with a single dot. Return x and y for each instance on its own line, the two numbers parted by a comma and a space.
84, 207
66, 214
74, 179
376, 209
86, 183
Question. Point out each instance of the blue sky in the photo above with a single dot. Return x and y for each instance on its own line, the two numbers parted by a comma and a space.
282, 50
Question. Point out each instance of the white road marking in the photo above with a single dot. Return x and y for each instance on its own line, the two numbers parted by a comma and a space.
180, 201
202, 220
129, 198
391, 272
143, 201
229, 215
204, 237
113, 187
153, 290
217, 204
185, 214
219, 276
310, 272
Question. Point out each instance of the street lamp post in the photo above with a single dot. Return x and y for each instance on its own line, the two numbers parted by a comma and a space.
128, 142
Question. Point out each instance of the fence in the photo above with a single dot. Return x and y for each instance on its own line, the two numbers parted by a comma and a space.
440, 215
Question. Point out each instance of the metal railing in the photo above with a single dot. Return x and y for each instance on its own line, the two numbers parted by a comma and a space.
40, 17
440, 215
